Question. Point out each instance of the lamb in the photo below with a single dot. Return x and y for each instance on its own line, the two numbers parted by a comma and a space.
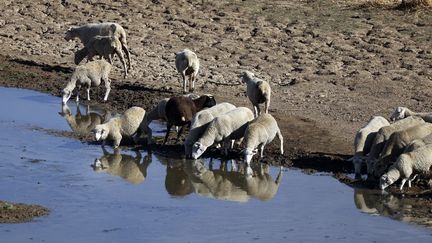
200, 122
187, 64
363, 141
88, 75
126, 166
384, 134
157, 113
396, 144
403, 112
104, 46
117, 127
258, 91
407, 166
180, 110
260, 132
86, 32
229, 126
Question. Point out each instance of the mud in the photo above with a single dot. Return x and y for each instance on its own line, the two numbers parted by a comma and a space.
20, 212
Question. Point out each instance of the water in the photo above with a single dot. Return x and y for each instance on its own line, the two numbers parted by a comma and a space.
141, 197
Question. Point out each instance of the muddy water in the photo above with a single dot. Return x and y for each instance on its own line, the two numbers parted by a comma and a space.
141, 197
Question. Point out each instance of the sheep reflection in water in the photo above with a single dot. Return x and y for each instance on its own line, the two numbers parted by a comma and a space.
126, 166
187, 176
82, 124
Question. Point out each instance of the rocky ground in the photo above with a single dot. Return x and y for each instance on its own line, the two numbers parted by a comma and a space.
331, 64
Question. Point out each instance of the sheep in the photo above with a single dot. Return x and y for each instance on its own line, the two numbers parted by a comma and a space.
383, 135
407, 166
200, 122
157, 113
126, 166
363, 141
180, 110
396, 144
88, 75
403, 112
187, 64
258, 91
229, 126
86, 32
104, 46
260, 132
117, 127
418, 143
81, 124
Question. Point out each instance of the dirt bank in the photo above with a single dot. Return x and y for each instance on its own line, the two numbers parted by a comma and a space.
19, 212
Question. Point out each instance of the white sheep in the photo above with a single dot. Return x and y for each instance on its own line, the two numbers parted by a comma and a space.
258, 91
86, 32
157, 113
200, 122
363, 141
407, 166
384, 134
224, 128
260, 132
104, 46
88, 75
418, 143
187, 64
403, 112
396, 144
117, 127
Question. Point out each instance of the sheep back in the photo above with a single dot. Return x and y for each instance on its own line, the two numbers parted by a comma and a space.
261, 130
180, 110
130, 120
187, 60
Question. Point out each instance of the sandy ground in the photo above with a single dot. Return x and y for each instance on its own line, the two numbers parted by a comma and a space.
331, 64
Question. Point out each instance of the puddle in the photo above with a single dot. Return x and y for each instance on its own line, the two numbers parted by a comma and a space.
130, 197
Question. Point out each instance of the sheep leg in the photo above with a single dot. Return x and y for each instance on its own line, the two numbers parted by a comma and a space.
411, 180
109, 58
179, 133
191, 83
167, 133
121, 56
403, 183
233, 165
267, 104
226, 146
262, 150
256, 110
184, 81
107, 87
279, 135
279, 176
77, 95
126, 50
88, 93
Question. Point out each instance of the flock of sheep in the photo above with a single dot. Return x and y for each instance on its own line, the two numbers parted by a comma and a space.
209, 123
398, 150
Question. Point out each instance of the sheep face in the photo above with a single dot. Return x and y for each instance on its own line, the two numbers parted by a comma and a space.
385, 181
246, 75
70, 34
66, 94
379, 169
210, 102
398, 114
100, 132
197, 150
248, 154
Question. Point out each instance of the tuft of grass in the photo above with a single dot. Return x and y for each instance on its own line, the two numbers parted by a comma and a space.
8, 206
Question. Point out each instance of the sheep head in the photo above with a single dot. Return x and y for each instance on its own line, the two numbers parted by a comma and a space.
248, 154
70, 34
389, 178
101, 132
246, 76
66, 94
398, 114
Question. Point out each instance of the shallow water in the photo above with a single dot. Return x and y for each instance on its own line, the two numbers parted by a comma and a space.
160, 199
